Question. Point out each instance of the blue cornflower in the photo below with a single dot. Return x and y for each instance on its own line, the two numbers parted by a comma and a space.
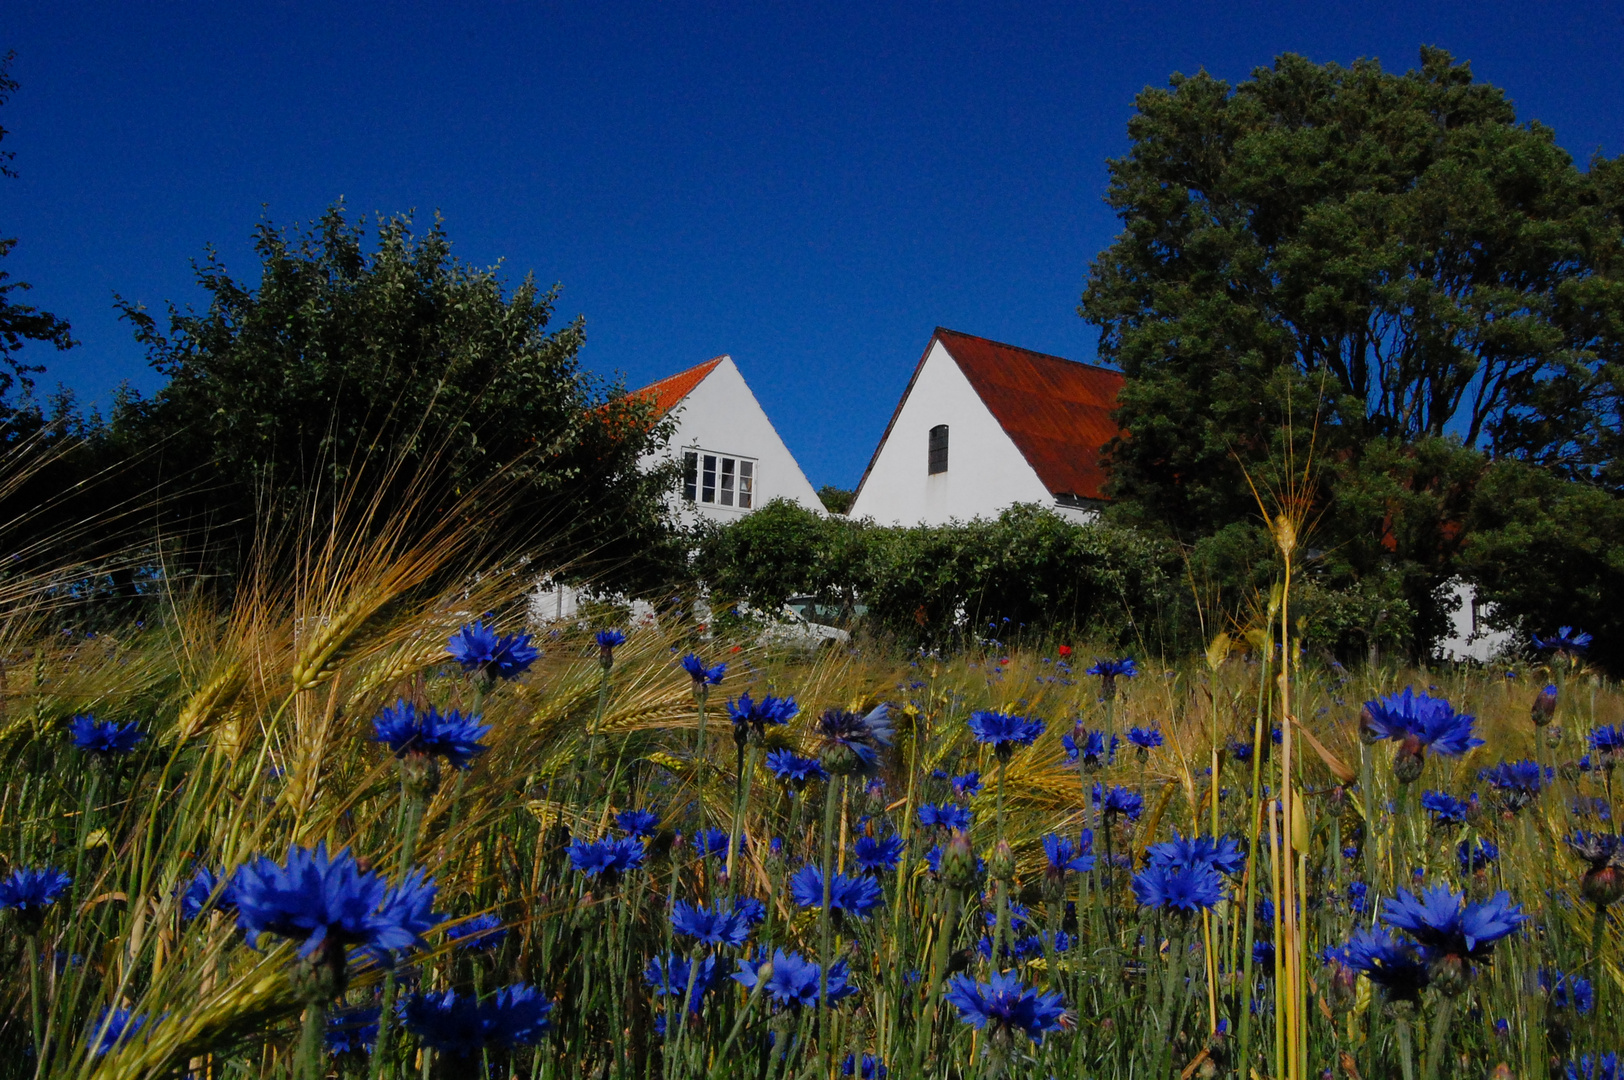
1263, 957
29, 891
609, 858
352, 1030
851, 743
794, 980
669, 978
1476, 858
196, 899
1566, 639
1418, 723
478, 647
795, 770
1110, 671
407, 731
1145, 738
113, 1028
751, 910
1608, 742
607, 641
105, 739
1391, 964
1603, 881
713, 841
638, 822
1568, 991
330, 902
464, 1027
1119, 800
749, 715
946, 816
480, 932
1597, 849
872, 1067
876, 855
1006, 1004
1358, 891
1223, 854
1240, 751
1605, 1067
1091, 749
716, 927
1184, 889
1064, 854
966, 785
1004, 731
1517, 783
701, 675
848, 895
1444, 807
1447, 927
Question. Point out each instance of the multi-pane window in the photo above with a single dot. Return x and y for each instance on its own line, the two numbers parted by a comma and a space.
718, 479
938, 449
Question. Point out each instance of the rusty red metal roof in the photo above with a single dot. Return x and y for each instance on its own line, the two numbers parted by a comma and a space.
1056, 411
669, 391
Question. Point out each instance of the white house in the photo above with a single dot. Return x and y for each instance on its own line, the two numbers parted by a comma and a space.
733, 460
733, 463
982, 426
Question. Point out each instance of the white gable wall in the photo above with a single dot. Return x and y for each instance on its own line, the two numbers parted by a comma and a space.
986, 472
721, 416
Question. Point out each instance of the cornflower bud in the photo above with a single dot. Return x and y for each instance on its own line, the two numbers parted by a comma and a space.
1544, 707
1001, 863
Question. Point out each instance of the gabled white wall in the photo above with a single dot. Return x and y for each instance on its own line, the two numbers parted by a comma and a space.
986, 472
721, 415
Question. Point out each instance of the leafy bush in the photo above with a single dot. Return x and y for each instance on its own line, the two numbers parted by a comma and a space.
1030, 571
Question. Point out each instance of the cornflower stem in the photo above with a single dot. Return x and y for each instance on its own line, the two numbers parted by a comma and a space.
738, 1025
31, 947
1438, 1040
825, 923
1001, 925
411, 821
740, 801
309, 1062
700, 694
1406, 1056
86, 807
1598, 954
938, 973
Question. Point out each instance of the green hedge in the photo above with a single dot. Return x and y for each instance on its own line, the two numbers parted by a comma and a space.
1028, 573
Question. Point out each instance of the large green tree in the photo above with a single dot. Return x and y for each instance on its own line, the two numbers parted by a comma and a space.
1391, 255
1390, 267
357, 365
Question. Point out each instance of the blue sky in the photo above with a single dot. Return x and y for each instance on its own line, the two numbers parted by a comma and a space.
808, 187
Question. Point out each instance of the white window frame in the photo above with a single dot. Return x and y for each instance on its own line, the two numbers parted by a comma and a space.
712, 478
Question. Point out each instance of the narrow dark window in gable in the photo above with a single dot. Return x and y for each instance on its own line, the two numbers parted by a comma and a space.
938, 449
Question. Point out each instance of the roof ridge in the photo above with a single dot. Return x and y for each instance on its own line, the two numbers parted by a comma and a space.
669, 392
1024, 349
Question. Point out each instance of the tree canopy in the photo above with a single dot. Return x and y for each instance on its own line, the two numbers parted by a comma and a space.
354, 364
1392, 266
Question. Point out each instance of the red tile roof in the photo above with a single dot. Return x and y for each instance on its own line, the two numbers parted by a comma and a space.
669, 392
1056, 411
